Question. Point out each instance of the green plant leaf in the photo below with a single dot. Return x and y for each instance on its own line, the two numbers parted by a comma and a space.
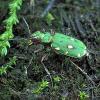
49, 18
4, 51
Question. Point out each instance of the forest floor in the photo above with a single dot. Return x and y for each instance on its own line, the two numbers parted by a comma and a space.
41, 74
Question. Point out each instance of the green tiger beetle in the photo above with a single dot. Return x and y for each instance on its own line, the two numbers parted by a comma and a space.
62, 44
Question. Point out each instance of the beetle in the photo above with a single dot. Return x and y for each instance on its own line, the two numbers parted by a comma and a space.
62, 44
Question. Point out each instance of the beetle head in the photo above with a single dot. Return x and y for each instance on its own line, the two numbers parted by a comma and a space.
45, 37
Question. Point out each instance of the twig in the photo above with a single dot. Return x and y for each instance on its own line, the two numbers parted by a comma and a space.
27, 25
30, 61
26, 67
47, 9
72, 24
38, 50
32, 5
47, 71
79, 25
93, 28
77, 67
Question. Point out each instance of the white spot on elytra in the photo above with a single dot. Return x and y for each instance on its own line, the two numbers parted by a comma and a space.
70, 47
66, 52
85, 52
35, 37
79, 55
72, 39
57, 48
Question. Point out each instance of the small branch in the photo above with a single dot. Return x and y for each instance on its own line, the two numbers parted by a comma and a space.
27, 25
47, 9
28, 65
93, 28
47, 71
83, 72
